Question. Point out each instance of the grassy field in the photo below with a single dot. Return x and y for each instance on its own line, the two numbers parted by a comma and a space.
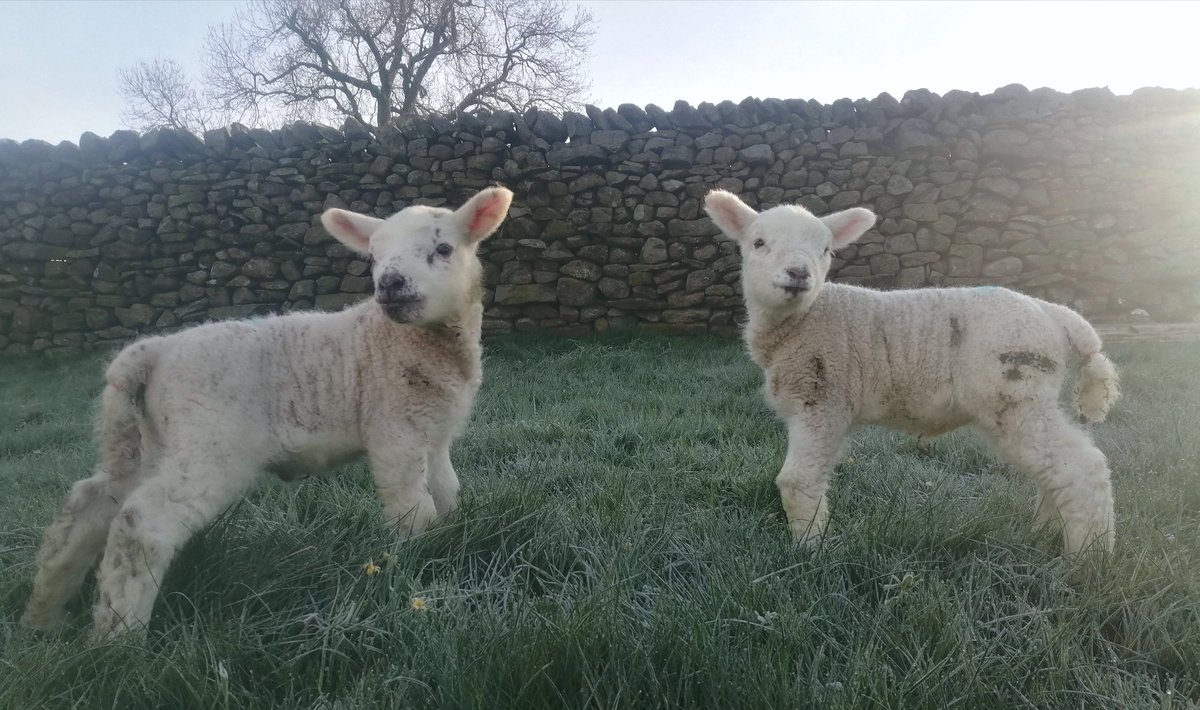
621, 545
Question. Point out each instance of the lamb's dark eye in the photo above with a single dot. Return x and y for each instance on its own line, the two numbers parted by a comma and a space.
828, 251
759, 244
444, 249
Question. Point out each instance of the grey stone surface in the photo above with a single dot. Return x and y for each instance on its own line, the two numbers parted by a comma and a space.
654, 251
1008, 266
573, 292
760, 154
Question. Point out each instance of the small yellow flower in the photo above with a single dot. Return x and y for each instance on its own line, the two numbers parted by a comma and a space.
417, 603
370, 568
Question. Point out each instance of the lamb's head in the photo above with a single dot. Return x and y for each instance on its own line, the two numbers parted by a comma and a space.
786, 251
425, 268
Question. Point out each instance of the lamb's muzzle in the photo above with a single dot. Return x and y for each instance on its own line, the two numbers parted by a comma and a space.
400, 303
794, 281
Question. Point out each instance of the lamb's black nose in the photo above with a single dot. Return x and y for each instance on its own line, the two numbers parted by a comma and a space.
390, 288
798, 276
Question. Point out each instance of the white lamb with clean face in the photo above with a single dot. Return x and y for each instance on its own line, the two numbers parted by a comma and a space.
923, 361
189, 421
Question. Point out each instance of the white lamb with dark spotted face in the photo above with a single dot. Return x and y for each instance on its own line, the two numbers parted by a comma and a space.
189, 421
924, 361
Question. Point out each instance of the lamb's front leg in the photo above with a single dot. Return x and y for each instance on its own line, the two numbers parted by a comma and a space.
813, 446
443, 481
402, 481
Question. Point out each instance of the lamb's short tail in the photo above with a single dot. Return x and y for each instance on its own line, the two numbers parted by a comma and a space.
1098, 388
123, 418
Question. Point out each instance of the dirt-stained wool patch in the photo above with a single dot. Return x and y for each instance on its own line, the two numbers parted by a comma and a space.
956, 333
818, 382
1037, 361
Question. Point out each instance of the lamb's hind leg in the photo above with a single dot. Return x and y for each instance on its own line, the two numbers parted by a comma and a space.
1071, 474
71, 545
813, 446
1046, 513
74, 541
189, 490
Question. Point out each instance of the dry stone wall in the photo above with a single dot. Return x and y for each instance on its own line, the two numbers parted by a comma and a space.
1085, 199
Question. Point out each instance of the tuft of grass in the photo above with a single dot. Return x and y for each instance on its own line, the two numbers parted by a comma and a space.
621, 544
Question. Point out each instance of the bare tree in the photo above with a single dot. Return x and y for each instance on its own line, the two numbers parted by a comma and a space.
158, 94
376, 59
521, 53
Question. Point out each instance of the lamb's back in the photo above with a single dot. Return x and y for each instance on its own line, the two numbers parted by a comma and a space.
906, 358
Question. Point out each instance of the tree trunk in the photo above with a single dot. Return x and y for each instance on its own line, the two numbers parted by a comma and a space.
383, 99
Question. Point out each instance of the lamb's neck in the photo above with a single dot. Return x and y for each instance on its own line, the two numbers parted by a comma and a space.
460, 337
465, 332
769, 329
457, 338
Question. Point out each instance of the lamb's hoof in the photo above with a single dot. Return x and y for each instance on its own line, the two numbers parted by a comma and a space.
42, 623
805, 537
416, 521
111, 627
1093, 550
1047, 524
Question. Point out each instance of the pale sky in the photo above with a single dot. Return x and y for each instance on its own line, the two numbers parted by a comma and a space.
58, 60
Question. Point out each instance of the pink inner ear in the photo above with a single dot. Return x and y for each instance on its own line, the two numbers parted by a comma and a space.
730, 214
848, 226
734, 217
349, 231
344, 223
486, 213
347, 226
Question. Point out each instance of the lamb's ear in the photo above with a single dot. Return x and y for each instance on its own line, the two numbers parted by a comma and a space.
350, 228
483, 213
729, 213
848, 225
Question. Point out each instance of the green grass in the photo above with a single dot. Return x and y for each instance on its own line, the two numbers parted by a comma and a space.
621, 545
